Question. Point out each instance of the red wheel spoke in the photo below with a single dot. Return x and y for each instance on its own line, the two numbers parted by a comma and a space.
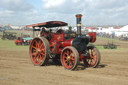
72, 58
34, 51
65, 54
94, 59
66, 51
72, 54
91, 56
39, 43
94, 54
65, 60
38, 56
93, 62
67, 64
70, 63
34, 47
41, 57
42, 50
34, 54
42, 53
34, 59
36, 44
41, 46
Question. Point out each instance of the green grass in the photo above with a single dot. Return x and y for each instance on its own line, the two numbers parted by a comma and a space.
10, 45
102, 48
110, 40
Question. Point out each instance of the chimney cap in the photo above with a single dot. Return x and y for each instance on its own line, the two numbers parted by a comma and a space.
78, 15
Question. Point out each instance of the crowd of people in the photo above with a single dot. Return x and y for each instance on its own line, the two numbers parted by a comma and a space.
112, 36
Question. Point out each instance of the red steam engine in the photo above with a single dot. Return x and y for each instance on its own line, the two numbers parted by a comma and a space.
68, 47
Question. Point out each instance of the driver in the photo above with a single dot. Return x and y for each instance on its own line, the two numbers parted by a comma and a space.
43, 30
60, 31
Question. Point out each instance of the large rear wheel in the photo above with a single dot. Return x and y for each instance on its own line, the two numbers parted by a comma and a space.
39, 49
70, 58
93, 59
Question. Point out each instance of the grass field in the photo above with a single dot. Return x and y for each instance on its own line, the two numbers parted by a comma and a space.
10, 45
16, 67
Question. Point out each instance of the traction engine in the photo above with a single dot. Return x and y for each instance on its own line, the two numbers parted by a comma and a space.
70, 48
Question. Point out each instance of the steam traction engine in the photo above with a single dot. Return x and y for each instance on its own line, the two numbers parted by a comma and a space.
68, 47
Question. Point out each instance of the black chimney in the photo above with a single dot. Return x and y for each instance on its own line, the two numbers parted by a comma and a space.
78, 21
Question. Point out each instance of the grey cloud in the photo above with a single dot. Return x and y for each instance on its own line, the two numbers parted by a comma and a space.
108, 4
95, 12
17, 12
15, 5
68, 7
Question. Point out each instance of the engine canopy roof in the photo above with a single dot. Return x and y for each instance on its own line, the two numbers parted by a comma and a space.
49, 24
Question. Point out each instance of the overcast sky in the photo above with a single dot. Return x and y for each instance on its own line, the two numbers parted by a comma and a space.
95, 12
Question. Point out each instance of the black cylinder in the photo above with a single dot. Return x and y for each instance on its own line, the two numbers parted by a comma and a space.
78, 21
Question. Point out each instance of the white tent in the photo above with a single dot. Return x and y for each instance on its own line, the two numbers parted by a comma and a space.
124, 29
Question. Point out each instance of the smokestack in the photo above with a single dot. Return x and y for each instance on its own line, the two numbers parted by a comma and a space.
78, 21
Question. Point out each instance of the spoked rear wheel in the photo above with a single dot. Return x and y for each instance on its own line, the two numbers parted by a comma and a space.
38, 51
93, 59
70, 58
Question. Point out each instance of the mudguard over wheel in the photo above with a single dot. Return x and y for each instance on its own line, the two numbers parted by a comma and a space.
93, 59
70, 58
39, 49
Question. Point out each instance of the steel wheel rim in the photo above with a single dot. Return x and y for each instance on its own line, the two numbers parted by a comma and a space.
92, 59
68, 59
37, 51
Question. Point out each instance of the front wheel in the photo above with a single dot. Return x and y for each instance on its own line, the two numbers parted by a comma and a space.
70, 58
39, 51
93, 59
